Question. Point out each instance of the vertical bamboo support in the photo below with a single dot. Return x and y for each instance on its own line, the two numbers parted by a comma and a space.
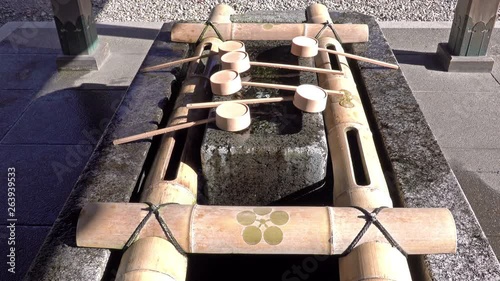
363, 185
155, 258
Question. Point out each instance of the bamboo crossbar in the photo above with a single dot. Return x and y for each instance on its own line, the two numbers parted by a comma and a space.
189, 32
267, 230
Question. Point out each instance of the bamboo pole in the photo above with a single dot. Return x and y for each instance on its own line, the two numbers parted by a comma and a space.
156, 258
189, 32
367, 188
267, 230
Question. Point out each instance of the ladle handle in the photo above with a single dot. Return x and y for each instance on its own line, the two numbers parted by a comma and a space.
284, 87
297, 67
347, 55
168, 64
269, 86
162, 131
247, 101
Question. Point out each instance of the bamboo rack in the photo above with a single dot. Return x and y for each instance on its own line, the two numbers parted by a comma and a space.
368, 188
267, 230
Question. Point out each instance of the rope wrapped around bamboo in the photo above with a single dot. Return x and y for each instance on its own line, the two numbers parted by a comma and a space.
267, 230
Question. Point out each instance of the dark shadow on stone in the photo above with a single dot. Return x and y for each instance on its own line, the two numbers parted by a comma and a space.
485, 201
429, 60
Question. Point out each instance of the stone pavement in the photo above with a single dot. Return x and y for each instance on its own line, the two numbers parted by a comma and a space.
463, 111
50, 122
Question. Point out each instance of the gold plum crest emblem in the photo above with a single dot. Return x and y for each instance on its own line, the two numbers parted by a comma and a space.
262, 223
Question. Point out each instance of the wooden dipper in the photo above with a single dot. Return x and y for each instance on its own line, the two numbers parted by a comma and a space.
303, 46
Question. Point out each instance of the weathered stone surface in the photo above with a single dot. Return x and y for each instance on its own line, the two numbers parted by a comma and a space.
283, 151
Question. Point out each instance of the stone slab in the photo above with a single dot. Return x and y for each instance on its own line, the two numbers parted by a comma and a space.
45, 176
112, 175
452, 113
12, 105
283, 151
466, 64
42, 38
83, 113
478, 171
495, 72
7, 29
26, 72
116, 74
414, 163
28, 241
423, 40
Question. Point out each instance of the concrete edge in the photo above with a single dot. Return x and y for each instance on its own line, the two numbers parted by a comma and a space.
7, 29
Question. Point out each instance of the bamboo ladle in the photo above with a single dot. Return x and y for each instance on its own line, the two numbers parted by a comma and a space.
231, 117
303, 46
226, 47
240, 62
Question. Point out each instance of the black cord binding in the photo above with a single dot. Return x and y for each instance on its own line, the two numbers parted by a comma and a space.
208, 23
372, 218
330, 25
154, 209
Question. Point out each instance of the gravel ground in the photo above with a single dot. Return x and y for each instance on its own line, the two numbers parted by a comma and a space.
161, 10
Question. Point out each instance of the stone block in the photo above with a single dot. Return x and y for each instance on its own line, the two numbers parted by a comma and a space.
282, 152
85, 62
453, 63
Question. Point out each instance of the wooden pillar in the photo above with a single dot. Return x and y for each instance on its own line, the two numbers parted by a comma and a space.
78, 36
472, 27
470, 35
